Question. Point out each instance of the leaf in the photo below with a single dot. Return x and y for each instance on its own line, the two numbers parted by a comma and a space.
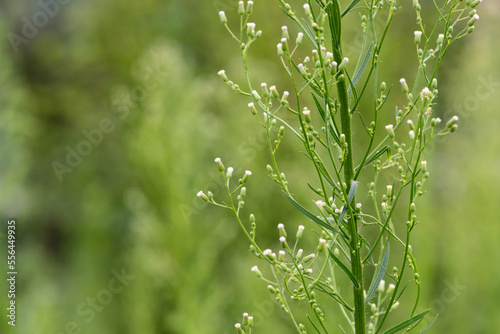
314, 190
352, 190
428, 327
345, 269
334, 296
358, 72
309, 214
309, 33
376, 156
351, 5
350, 197
379, 273
333, 11
406, 323
312, 323
319, 106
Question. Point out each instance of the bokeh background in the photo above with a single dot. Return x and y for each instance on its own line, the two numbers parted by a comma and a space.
140, 79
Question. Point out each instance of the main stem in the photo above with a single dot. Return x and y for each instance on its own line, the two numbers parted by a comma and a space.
356, 264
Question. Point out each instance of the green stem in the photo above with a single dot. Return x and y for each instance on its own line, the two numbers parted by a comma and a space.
356, 264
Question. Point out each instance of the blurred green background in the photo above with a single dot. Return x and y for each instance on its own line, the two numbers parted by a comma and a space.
138, 80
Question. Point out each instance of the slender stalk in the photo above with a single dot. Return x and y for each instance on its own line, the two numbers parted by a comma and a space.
356, 264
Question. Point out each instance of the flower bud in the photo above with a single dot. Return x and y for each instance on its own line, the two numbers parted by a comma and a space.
283, 242
381, 286
281, 229
423, 164
245, 319
434, 84
223, 75
435, 121
307, 115
284, 98
307, 10
284, 32
245, 177
241, 8
202, 195
404, 86
300, 231
281, 256
474, 4
390, 130
274, 92
473, 20
309, 258
440, 40
452, 121
334, 68
238, 328
251, 29
249, 7
229, 172
418, 36
251, 105
279, 48
256, 270
299, 254
222, 17
256, 95
302, 69
221, 167
298, 41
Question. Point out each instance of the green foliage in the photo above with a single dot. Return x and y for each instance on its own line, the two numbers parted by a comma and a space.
347, 230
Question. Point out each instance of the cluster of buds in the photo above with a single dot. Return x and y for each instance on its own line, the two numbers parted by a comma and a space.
246, 324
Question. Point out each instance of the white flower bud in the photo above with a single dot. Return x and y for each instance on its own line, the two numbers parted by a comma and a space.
298, 41
418, 36
390, 130
300, 231
256, 270
404, 86
222, 17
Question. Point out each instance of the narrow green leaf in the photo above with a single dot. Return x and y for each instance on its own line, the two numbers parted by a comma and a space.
319, 106
352, 190
314, 190
309, 215
358, 72
428, 327
345, 269
348, 8
379, 274
333, 11
406, 323
309, 33
334, 296
376, 156
312, 323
